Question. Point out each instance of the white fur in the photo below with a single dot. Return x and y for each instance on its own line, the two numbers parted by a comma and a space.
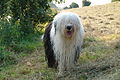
63, 47
42, 37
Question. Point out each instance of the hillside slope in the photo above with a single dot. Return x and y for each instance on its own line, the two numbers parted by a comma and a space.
100, 20
102, 41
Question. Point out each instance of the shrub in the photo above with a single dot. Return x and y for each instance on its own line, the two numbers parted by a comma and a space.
18, 19
12, 38
115, 0
9, 34
27, 45
27, 13
74, 5
66, 7
86, 3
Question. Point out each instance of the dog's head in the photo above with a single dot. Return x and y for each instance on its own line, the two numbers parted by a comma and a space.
66, 24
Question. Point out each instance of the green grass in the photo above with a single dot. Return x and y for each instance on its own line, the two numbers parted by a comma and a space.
11, 56
94, 48
23, 71
6, 57
26, 46
33, 65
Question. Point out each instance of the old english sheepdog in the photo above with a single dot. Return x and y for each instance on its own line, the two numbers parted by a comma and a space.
62, 41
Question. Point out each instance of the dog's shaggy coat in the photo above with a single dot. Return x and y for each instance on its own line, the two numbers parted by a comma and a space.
62, 41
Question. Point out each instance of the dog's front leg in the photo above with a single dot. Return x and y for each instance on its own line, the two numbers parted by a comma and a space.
61, 65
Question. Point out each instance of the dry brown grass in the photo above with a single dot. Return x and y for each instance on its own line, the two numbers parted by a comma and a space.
100, 20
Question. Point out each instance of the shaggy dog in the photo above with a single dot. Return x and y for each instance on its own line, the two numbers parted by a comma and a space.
62, 41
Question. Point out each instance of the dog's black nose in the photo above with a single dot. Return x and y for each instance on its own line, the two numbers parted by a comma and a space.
69, 27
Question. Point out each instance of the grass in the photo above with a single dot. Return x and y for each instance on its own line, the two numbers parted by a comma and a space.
11, 59
94, 48
33, 66
6, 57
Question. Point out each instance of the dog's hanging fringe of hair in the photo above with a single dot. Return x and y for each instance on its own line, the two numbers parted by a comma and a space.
62, 41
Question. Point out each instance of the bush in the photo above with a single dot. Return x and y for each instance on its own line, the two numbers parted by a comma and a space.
26, 13
115, 0
12, 38
9, 34
66, 7
24, 16
74, 5
27, 45
86, 3
18, 33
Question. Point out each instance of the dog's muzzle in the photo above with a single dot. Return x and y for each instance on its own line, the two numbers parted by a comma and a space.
69, 30
69, 27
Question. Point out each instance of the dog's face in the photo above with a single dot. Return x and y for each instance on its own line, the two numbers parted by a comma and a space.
69, 30
67, 25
